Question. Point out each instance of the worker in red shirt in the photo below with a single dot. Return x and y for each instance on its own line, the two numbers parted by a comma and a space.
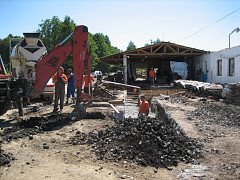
143, 106
60, 79
88, 83
152, 75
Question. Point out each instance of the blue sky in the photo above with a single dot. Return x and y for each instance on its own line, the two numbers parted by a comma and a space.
132, 20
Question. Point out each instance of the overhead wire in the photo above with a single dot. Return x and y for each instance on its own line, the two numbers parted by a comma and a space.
211, 24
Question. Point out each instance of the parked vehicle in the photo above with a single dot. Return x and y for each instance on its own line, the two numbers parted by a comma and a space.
97, 73
23, 58
31, 73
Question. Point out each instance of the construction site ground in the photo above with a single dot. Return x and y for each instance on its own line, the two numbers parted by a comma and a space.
49, 155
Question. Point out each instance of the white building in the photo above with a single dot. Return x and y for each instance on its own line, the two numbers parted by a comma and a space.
219, 67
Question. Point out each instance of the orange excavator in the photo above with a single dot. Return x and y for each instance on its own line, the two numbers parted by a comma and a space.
50, 62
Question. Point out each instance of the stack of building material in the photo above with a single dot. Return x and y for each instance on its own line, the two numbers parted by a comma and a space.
202, 88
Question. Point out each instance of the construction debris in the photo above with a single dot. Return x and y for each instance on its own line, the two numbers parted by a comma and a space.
5, 158
201, 88
218, 112
147, 141
231, 93
34, 125
102, 94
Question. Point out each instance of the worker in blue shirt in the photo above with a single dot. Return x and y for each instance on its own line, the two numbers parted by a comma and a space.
70, 86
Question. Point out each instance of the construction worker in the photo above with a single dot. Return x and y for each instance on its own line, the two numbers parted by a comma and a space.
60, 79
143, 106
152, 75
88, 83
70, 86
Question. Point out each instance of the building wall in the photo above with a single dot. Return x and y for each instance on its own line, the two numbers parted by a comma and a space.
225, 55
208, 65
202, 66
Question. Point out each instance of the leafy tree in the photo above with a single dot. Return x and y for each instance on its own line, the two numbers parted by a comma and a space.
92, 46
131, 46
54, 31
153, 42
4, 49
103, 48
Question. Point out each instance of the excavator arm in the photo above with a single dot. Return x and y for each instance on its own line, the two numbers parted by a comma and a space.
50, 62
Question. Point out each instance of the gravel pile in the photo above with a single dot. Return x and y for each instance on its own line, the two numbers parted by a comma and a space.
145, 140
219, 113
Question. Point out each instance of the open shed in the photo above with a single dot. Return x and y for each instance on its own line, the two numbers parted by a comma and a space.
163, 57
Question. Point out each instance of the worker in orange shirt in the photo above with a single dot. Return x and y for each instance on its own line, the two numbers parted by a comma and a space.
59, 79
143, 106
152, 75
88, 83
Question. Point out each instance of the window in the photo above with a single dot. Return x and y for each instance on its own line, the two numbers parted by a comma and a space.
219, 67
231, 67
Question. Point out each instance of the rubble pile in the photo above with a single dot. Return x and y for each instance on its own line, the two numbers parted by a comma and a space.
147, 141
233, 96
178, 98
78, 139
5, 158
34, 125
217, 112
101, 93
201, 88
95, 115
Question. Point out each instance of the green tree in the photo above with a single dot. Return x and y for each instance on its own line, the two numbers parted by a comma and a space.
92, 46
103, 48
53, 31
131, 46
4, 48
153, 42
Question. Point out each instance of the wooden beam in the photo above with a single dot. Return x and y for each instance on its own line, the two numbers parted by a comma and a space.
166, 54
115, 109
188, 50
141, 50
158, 48
120, 85
171, 48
